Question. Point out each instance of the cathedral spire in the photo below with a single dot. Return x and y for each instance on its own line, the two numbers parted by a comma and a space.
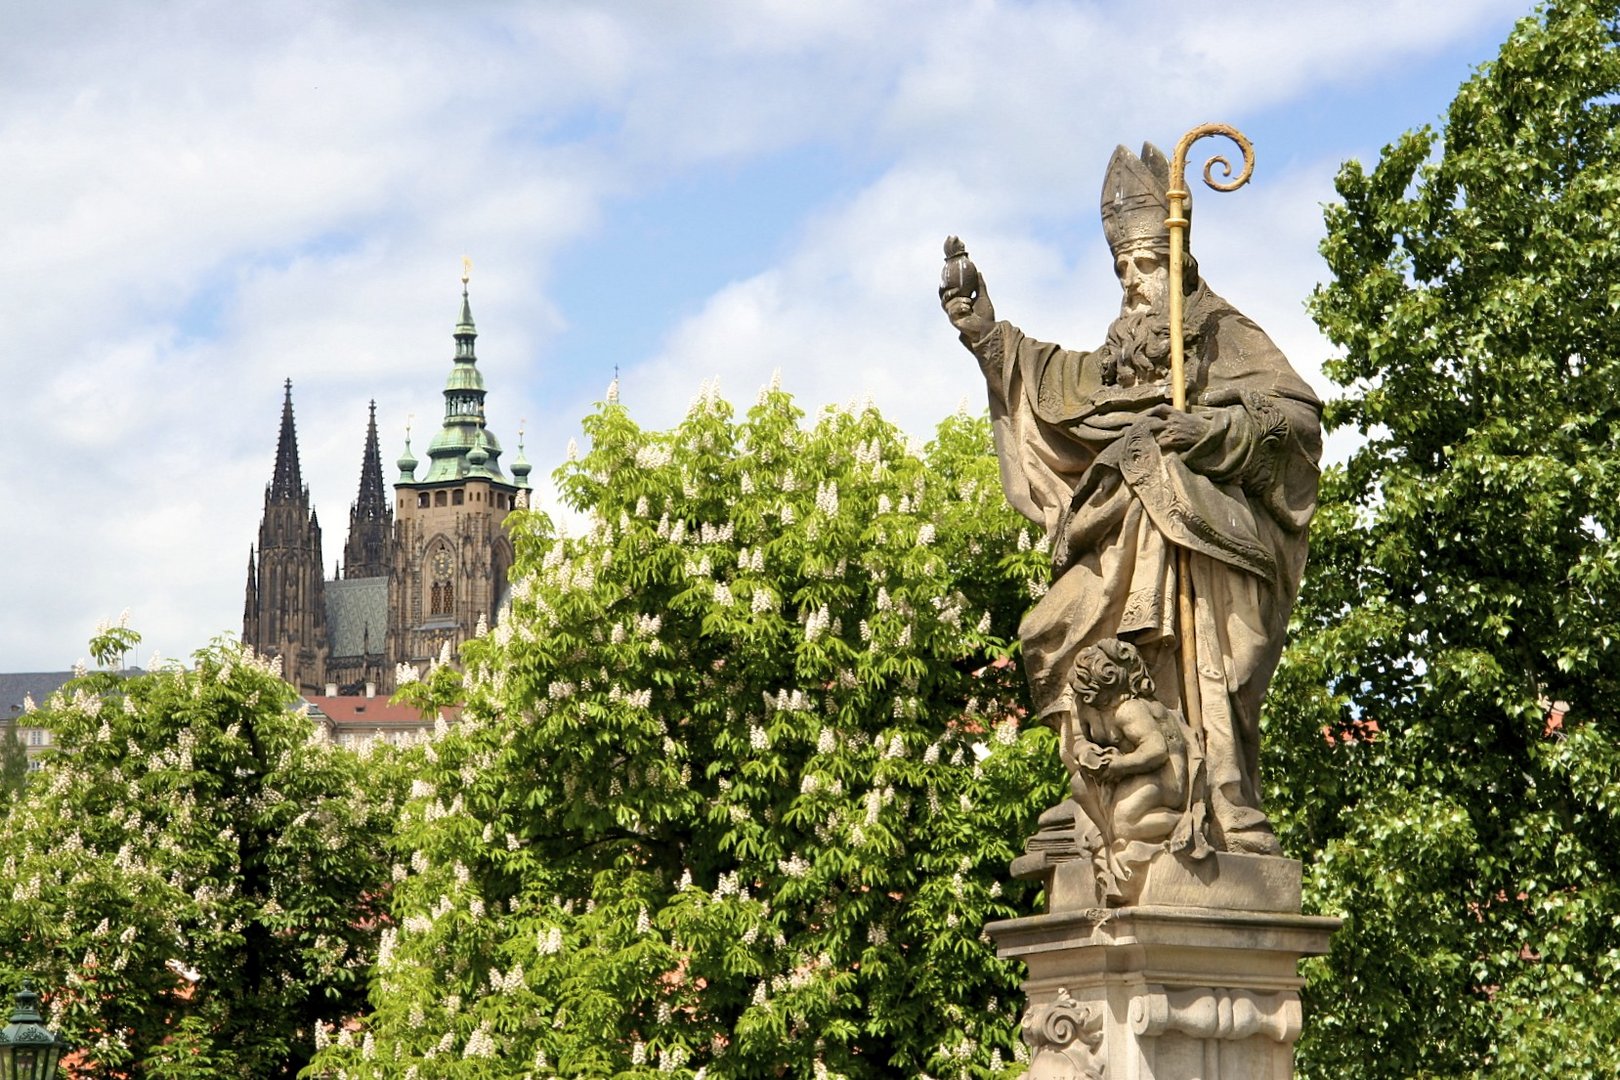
288, 481
370, 517
373, 501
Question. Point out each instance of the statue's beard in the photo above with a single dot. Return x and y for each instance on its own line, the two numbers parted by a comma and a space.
1137, 351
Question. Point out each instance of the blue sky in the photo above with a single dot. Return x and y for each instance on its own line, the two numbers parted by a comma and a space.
199, 200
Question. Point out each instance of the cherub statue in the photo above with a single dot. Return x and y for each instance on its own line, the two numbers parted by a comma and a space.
1135, 769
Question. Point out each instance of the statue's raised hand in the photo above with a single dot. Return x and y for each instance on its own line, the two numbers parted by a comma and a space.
963, 295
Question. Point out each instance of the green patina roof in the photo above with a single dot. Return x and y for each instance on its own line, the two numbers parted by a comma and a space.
464, 377
463, 449
407, 462
520, 465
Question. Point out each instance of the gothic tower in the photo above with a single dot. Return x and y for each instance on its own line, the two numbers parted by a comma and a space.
357, 598
370, 517
450, 552
285, 610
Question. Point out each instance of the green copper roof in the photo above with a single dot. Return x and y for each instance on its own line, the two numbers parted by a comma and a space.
463, 448
520, 465
407, 462
464, 377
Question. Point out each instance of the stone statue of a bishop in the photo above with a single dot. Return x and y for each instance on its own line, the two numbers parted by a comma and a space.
1093, 451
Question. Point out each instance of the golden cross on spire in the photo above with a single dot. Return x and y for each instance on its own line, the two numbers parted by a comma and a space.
466, 270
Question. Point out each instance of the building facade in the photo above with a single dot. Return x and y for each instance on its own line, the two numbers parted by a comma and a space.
21, 691
421, 571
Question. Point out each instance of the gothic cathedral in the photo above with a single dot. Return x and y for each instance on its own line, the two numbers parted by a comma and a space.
418, 576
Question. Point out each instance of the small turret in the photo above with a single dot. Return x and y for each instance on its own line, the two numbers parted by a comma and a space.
407, 461
250, 605
520, 465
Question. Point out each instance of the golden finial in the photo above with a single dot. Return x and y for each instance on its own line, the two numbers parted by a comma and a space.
466, 270
410, 418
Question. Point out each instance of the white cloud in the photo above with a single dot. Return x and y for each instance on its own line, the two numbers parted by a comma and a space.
203, 199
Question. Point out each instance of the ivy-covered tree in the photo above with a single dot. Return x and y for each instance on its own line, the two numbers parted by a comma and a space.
193, 877
1446, 731
739, 774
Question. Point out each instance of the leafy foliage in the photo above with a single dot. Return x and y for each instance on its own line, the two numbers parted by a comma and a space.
13, 763
192, 874
739, 773
1465, 588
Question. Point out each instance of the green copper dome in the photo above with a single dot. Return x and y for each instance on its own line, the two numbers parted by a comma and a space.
520, 465
464, 377
407, 463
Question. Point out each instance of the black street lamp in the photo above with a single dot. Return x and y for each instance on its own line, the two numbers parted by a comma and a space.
27, 1050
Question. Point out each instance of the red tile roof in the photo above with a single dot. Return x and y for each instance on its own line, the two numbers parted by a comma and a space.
355, 711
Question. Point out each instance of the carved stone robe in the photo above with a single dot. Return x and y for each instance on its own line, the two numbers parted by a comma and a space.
1080, 459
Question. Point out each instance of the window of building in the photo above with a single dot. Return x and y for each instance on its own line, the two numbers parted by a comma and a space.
422, 500
36, 738
457, 497
438, 498
442, 597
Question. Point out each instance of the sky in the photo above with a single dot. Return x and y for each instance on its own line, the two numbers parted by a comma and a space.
201, 200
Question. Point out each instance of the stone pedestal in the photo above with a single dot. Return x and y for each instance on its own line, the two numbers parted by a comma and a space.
1171, 988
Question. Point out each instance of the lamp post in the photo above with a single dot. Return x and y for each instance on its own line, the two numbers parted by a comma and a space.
27, 1050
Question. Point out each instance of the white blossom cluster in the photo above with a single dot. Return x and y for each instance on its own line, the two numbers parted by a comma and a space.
653, 456
481, 1043
788, 701
817, 622
509, 983
730, 884
827, 498
639, 699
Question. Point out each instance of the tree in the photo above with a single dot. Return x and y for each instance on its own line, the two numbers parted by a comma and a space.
192, 876
1450, 741
739, 773
13, 763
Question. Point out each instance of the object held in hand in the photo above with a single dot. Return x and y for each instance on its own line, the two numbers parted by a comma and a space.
959, 277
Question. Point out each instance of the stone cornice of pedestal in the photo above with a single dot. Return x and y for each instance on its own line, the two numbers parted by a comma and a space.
1173, 927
